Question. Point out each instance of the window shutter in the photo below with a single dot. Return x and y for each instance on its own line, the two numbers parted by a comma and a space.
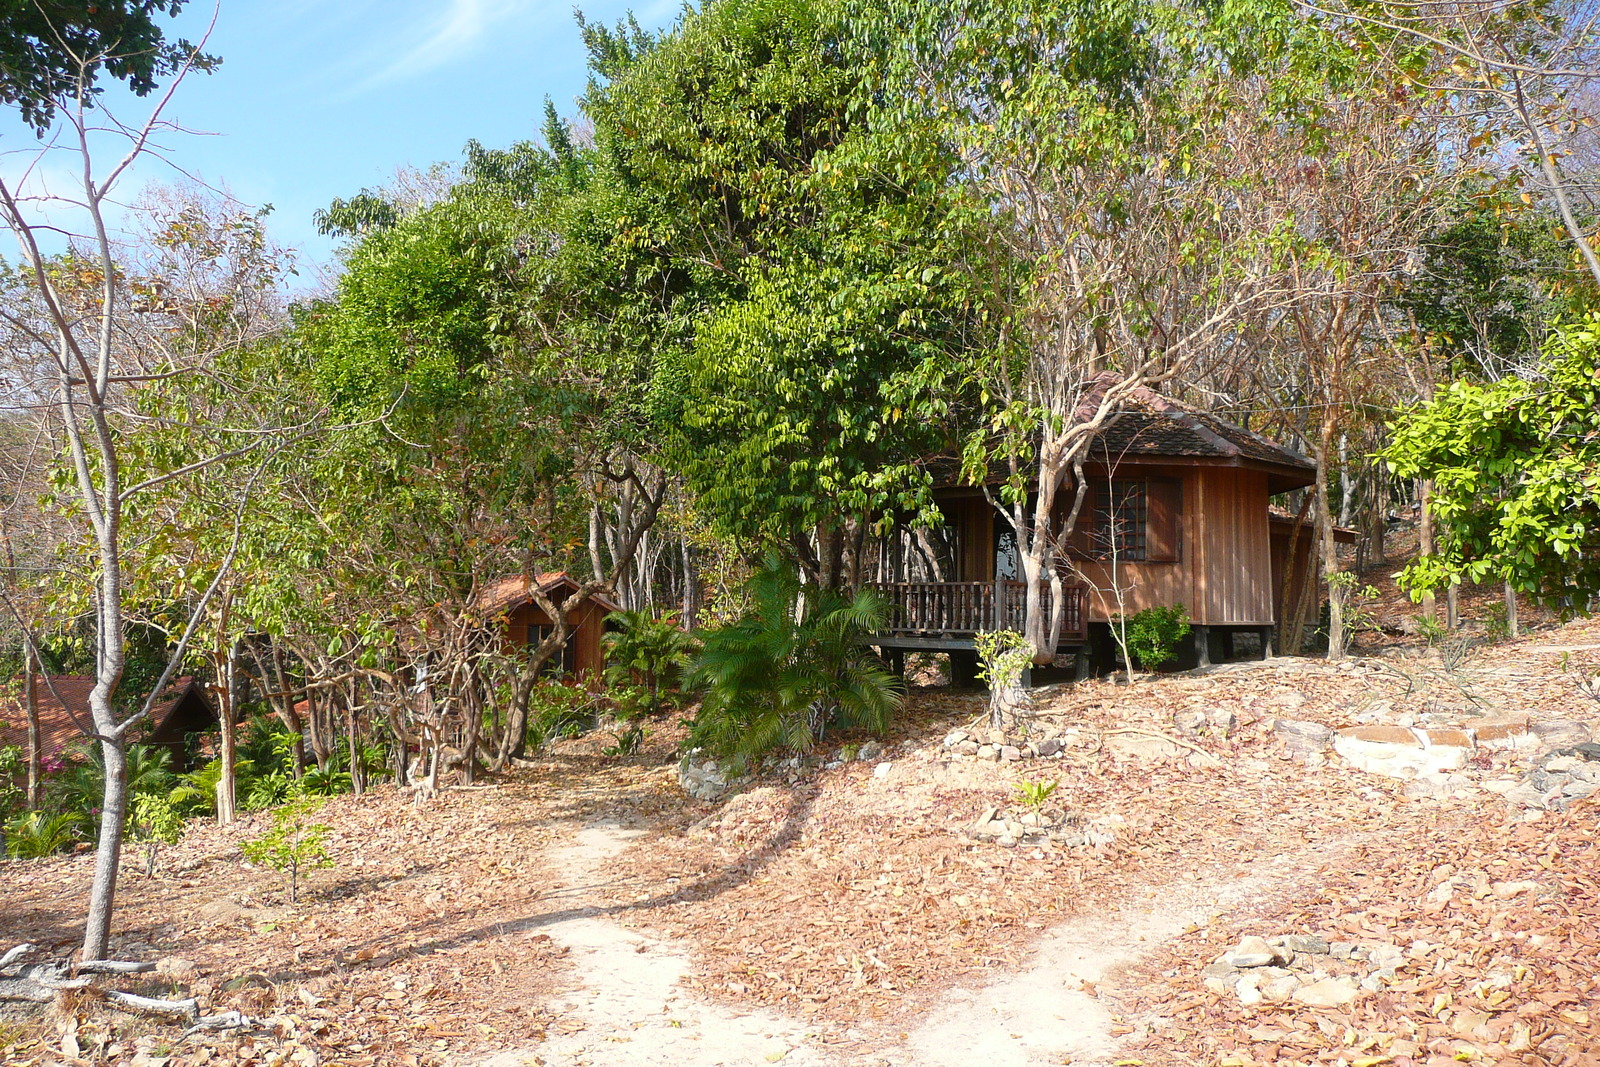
1164, 522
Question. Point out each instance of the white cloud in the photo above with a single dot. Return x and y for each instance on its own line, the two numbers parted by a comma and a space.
446, 36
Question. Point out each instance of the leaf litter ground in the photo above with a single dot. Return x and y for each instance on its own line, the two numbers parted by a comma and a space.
850, 901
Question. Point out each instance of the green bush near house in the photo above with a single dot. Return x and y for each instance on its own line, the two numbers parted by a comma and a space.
1154, 634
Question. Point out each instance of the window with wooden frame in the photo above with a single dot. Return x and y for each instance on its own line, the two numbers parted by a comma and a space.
1131, 520
1121, 515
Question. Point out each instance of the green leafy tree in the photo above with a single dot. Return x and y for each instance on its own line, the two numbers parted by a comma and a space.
783, 673
53, 50
1515, 466
293, 844
154, 822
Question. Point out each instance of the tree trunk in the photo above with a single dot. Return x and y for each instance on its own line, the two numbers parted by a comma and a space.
30, 701
1430, 606
227, 782
1512, 629
1330, 550
691, 589
358, 769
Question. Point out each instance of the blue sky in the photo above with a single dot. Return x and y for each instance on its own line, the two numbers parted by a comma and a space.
316, 99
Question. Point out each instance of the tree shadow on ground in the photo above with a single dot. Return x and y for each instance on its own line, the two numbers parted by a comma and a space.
707, 887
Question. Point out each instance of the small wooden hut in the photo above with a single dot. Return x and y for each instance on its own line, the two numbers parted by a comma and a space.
583, 657
1176, 511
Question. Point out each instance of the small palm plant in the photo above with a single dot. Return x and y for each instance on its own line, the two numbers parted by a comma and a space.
790, 668
36, 834
646, 649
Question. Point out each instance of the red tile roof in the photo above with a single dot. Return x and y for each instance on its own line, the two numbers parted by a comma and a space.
64, 710
513, 591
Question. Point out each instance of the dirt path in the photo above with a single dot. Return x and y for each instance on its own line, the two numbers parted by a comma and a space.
631, 1009
1049, 1013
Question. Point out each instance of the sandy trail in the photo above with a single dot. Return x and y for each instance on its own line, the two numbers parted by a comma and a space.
1044, 1014
631, 1009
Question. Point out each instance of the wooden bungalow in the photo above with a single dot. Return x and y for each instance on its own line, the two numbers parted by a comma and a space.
1176, 511
583, 657
63, 704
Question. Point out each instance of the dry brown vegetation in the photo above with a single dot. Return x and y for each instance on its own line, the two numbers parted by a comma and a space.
854, 901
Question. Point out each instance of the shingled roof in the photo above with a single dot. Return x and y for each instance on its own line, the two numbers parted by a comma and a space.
1151, 425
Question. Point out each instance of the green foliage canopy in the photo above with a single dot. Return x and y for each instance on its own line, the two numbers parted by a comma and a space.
1515, 466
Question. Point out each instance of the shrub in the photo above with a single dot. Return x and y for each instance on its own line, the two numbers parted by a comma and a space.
1154, 633
36, 834
779, 676
79, 788
556, 710
155, 822
196, 792
645, 654
13, 767
293, 844
1003, 656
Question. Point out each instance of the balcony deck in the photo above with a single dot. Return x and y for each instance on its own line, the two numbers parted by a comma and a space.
946, 615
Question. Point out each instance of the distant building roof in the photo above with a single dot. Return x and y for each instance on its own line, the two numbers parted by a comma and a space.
513, 591
67, 719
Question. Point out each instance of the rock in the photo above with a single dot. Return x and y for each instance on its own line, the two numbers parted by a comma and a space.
1588, 751
175, 968
1341, 950
1047, 747
1328, 993
965, 748
1307, 943
882, 770
1255, 952
1506, 736
701, 779
1289, 701
1560, 733
1303, 737
1222, 722
1507, 890
1219, 969
870, 751
1249, 991
1439, 786
1246, 960
1140, 747
1397, 752
1189, 723
1560, 764
1280, 989
997, 737
1006, 841
955, 737
1010, 753
988, 752
1528, 795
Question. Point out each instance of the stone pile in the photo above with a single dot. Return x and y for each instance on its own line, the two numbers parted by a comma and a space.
997, 746
1304, 969
1559, 778
1011, 827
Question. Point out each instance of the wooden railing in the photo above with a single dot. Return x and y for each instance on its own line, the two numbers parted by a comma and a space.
968, 607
